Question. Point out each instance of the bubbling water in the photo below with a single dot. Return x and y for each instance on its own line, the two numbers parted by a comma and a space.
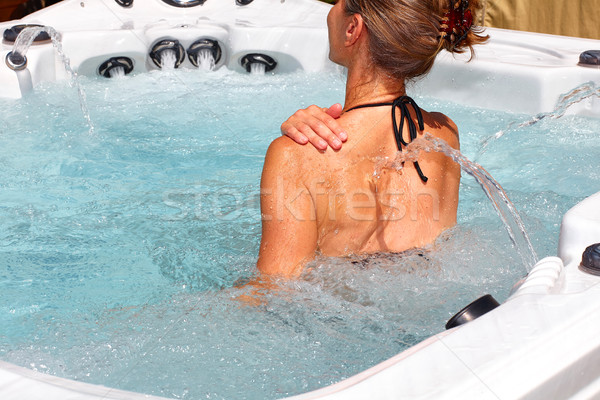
504, 207
128, 242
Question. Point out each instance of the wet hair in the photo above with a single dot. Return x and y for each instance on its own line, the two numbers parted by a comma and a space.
405, 35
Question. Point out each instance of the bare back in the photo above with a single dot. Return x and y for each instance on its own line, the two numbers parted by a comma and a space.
353, 200
364, 203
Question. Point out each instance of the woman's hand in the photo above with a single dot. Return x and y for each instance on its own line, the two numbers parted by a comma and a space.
316, 125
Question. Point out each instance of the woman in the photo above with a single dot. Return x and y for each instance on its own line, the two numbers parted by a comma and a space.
353, 200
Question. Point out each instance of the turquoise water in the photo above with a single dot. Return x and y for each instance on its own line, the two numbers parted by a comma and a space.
120, 249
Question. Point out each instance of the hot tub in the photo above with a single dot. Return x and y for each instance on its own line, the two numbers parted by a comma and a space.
542, 342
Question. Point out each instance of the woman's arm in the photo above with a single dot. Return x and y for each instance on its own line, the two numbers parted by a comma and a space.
289, 225
316, 125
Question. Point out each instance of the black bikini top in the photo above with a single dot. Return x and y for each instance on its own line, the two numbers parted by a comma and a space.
402, 103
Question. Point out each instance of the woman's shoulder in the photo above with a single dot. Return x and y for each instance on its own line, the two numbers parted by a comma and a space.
442, 127
288, 154
284, 146
442, 120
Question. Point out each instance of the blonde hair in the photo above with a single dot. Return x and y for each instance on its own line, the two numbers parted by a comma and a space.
405, 35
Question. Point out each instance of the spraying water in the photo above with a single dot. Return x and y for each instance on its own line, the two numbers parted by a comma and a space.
580, 93
22, 45
258, 68
504, 207
168, 60
117, 72
206, 60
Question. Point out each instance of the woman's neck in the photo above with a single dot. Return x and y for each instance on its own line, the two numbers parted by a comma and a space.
364, 85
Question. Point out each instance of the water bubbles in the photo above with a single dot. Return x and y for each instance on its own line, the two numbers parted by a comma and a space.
102, 242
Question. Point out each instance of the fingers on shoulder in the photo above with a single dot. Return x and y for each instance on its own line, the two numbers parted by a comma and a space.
288, 129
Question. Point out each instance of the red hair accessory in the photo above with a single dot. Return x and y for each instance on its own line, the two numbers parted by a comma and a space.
457, 23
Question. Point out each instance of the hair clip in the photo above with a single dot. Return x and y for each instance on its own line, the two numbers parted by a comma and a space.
457, 23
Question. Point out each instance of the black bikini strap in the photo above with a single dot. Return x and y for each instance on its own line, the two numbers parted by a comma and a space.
402, 103
370, 105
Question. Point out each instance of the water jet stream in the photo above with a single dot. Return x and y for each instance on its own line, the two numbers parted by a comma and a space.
504, 207
168, 60
580, 93
258, 69
24, 42
206, 60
